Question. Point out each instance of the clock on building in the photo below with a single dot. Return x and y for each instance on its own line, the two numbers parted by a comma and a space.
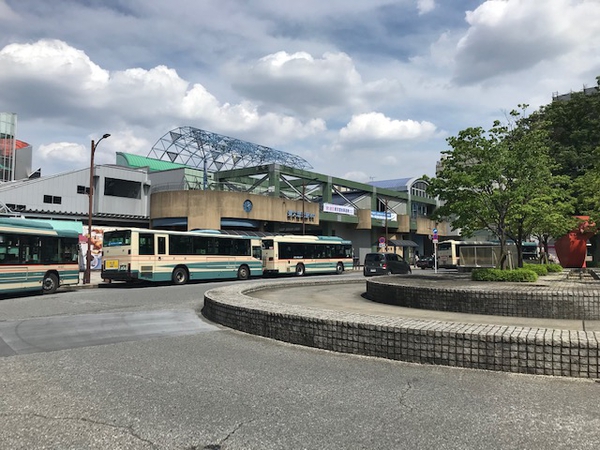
247, 206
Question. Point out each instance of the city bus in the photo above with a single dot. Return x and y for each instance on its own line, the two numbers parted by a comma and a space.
531, 251
466, 255
137, 254
36, 257
301, 255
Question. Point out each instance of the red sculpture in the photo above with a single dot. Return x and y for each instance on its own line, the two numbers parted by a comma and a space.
571, 248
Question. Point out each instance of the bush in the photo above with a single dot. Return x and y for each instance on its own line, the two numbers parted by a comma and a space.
516, 275
540, 269
554, 268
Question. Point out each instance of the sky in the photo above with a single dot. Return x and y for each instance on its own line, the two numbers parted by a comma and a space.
364, 90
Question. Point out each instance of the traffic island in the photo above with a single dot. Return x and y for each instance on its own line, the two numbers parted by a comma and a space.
538, 351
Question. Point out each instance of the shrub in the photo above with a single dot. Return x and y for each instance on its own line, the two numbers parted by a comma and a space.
486, 274
540, 269
521, 275
516, 275
554, 268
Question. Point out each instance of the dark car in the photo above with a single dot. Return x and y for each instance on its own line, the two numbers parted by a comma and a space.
384, 264
426, 263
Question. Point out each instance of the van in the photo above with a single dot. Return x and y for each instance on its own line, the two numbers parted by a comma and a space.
385, 264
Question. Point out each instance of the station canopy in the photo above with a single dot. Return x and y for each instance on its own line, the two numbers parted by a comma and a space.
213, 152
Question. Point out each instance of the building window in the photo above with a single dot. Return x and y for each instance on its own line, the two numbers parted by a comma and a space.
83, 190
419, 189
52, 199
122, 188
14, 207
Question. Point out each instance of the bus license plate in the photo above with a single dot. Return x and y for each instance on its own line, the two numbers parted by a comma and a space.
111, 264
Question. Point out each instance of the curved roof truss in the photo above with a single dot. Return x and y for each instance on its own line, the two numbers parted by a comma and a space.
205, 150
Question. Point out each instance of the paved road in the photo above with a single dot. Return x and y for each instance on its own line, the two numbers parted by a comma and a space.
219, 389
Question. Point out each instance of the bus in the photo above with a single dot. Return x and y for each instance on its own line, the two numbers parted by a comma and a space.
461, 254
466, 255
136, 254
531, 251
36, 257
301, 255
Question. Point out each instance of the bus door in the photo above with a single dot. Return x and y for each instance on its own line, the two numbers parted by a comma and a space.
13, 275
145, 256
161, 265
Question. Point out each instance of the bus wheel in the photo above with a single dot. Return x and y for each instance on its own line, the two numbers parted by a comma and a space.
180, 276
300, 270
339, 268
243, 273
50, 283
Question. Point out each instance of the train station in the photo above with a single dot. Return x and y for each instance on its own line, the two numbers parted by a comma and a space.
194, 179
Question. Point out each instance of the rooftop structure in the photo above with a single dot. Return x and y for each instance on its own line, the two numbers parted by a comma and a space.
213, 152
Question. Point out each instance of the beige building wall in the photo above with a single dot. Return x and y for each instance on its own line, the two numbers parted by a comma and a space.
205, 209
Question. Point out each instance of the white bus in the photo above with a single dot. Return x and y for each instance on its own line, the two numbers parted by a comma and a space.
305, 254
36, 257
465, 255
178, 256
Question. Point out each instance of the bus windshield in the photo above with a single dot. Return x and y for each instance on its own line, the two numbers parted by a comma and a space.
116, 238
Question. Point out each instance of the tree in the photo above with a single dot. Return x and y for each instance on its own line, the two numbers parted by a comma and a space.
574, 129
500, 180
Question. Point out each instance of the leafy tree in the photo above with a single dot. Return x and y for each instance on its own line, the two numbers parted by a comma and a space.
574, 131
497, 180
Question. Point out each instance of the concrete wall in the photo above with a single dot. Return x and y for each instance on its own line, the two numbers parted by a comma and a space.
204, 209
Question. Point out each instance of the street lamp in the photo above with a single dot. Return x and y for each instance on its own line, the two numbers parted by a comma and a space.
88, 259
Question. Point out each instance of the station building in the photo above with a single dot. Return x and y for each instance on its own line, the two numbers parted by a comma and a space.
194, 179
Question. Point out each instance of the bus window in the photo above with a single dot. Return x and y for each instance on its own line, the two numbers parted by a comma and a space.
116, 238
146, 244
162, 245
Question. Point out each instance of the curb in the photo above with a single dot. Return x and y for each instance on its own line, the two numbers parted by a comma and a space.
537, 351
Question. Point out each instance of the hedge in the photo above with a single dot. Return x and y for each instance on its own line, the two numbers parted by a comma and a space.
540, 269
515, 275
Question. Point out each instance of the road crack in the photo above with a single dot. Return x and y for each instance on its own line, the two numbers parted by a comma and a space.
128, 429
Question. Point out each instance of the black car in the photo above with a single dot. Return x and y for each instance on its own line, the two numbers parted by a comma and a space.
426, 263
385, 264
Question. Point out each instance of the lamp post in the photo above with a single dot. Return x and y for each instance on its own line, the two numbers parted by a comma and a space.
386, 224
88, 258
303, 207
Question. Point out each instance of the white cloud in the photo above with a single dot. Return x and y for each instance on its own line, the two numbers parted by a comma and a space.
75, 153
508, 36
376, 128
310, 86
49, 76
358, 176
425, 6
372, 80
52, 61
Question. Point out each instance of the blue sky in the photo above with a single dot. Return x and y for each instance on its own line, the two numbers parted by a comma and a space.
364, 90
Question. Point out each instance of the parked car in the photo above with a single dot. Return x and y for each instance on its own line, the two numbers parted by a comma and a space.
384, 264
426, 263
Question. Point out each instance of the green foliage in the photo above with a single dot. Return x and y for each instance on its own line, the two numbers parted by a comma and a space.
554, 268
500, 180
574, 130
516, 275
540, 269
